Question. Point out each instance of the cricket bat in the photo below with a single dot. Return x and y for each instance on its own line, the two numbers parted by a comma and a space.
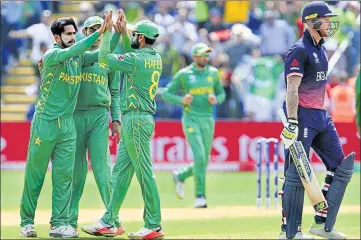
305, 171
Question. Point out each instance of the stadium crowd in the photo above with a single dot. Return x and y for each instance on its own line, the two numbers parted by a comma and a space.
249, 39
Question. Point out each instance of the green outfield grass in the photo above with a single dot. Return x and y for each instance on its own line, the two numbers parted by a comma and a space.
223, 189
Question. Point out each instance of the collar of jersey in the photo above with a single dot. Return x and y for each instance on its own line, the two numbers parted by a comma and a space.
309, 36
147, 50
194, 69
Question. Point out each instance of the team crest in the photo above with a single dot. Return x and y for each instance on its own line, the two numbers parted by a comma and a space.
316, 57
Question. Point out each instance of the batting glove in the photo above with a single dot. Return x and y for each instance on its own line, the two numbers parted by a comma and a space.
290, 132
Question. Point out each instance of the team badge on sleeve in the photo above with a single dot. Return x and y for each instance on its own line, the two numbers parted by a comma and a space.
295, 65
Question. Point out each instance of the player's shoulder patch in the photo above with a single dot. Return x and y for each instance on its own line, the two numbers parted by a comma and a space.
121, 57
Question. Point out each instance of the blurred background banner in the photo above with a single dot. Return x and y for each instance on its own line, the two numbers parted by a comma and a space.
233, 148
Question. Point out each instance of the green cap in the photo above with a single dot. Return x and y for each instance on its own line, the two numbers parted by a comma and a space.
200, 48
91, 21
145, 27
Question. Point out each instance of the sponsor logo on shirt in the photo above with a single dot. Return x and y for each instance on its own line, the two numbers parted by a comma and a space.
121, 57
321, 76
316, 58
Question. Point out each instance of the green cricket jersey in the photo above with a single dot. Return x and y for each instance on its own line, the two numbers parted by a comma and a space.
142, 70
199, 84
61, 77
99, 87
358, 95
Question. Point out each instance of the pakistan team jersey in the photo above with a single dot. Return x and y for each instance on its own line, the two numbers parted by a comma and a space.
99, 87
142, 69
61, 76
199, 84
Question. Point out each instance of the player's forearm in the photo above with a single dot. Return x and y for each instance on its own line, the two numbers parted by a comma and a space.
170, 97
104, 48
114, 41
293, 82
115, 104
127, 42
78, 48
221, 96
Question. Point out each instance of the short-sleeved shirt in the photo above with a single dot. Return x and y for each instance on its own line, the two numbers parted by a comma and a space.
308, 60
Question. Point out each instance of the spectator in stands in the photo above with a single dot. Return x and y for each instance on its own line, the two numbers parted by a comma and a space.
42, 38
277, 36
216, 21
242, 42
162, 17
183, 33
230, 108
11, 12
342, 100
254, 18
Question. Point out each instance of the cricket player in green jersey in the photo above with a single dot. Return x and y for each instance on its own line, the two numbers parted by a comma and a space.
202, 87
53, 133
358, 106
99, 90
142, 67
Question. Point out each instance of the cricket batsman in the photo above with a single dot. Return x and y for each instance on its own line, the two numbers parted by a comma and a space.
142, 66
201, 85
53, 133
306, 68
99, 90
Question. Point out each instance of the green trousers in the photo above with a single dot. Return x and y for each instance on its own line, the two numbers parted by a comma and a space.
134, 156
54, 140
199, 133
92, 128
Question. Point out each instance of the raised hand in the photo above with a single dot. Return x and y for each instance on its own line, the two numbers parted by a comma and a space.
109, 21
103, 26
121, 24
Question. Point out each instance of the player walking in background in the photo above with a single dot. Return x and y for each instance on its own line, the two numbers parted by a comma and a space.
142, 67
202, 87
53, 133
99, 90
306, 68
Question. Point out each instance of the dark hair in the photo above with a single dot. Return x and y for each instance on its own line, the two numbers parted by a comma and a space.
149, 41
57, 27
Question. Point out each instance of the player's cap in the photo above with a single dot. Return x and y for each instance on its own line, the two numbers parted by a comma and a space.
316, 9
200, 48
91, 21
145, 27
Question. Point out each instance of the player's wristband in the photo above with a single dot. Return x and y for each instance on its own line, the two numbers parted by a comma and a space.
116, 121
292, 121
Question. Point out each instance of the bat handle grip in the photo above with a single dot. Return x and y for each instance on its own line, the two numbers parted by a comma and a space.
282, 115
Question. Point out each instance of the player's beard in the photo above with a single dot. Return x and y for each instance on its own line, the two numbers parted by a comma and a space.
69, 44
135, 43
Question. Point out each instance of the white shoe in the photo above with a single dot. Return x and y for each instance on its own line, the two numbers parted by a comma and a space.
63, 232
100, 229
179, 186
200, 203
28, 231
319, 230
147, 234
299, 235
